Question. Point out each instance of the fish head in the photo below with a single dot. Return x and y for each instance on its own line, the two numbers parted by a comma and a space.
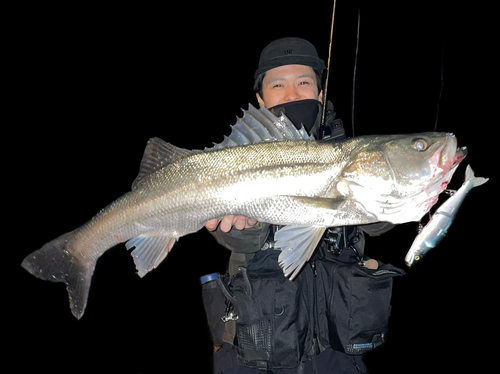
419, 161
406, 173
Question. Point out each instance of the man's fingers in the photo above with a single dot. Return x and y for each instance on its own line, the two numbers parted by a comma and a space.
226, 223
250, 222
240, 222
211, 225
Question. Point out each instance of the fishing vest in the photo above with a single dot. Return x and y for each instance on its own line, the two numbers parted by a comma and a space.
274, 323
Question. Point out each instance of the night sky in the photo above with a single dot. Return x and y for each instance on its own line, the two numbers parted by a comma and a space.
93, 84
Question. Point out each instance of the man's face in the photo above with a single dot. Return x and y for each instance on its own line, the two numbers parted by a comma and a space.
288, 83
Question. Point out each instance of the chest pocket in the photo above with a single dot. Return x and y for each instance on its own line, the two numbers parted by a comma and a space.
357, 304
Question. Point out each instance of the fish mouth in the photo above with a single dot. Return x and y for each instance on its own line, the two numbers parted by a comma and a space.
444, 162
449, 155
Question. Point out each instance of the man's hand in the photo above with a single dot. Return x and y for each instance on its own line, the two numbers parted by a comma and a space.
226, 222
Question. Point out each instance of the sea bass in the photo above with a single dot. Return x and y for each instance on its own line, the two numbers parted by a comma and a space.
268, 170
441, 220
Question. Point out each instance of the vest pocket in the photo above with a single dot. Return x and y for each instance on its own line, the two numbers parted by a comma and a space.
268, 328
358, 304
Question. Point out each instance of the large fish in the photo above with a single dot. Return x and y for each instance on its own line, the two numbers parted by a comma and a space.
268, 170
441, 220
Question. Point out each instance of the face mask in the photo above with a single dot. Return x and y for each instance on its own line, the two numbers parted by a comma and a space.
302, 112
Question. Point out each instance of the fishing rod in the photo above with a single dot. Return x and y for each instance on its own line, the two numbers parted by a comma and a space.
354, 74
325, 90
343, 233
354, 79
440, 90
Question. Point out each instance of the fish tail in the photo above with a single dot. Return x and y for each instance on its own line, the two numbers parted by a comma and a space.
476, 181
56, 263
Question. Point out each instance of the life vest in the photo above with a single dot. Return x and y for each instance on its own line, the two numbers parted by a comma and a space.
335, 302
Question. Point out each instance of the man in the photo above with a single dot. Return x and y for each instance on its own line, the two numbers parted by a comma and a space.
293, 339
280, 84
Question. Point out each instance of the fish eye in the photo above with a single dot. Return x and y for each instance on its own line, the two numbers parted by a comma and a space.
420, 144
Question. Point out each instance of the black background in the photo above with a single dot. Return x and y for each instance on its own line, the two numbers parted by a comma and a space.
93, 83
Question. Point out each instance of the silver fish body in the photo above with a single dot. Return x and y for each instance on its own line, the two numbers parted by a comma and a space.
268, 170
437, 228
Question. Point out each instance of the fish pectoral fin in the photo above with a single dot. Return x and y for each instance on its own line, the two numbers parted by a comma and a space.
150, 251
297, 244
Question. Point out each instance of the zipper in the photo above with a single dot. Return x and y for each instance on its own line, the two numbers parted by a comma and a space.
315, 273
315, 349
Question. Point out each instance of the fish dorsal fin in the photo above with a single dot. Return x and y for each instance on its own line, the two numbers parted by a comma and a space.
260, 125
158, 154
256, 126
